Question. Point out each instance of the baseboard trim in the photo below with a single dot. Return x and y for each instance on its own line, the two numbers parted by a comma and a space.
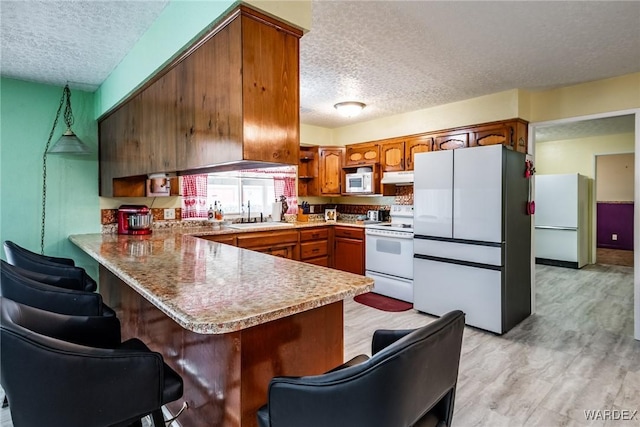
557, 263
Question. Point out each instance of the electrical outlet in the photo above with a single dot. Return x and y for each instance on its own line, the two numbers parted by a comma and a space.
614, 237
170, 213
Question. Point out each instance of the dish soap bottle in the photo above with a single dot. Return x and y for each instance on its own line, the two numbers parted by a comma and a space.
218, 212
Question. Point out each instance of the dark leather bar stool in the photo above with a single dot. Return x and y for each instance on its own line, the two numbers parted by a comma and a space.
48, 266
409, 381
73, 371
22, 289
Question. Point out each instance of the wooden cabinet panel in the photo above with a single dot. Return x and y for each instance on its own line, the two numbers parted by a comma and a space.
349, 255
451, 141
159, 134
362, 154
416, 144
348, 252
321, 261
271, 94
227, 239
278, 243
330, 170
521, 138
210, 107
392, 154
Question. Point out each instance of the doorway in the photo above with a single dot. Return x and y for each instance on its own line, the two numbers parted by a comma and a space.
633, 117
614, 185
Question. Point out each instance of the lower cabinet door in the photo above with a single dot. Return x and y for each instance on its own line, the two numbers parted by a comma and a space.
440, 287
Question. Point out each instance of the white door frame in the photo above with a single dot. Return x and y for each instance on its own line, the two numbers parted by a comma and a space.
636, 213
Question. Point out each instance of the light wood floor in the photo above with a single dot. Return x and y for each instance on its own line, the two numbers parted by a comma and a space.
614, 257
575, 354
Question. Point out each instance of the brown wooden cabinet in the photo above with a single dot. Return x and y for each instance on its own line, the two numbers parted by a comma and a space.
414, 145
349, 247
330, 171
279, 243
227, 239
232, 97
451, 140
314, 246
362, 154
308, 171
392, 154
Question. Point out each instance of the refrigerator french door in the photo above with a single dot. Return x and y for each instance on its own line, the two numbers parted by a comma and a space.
469, 205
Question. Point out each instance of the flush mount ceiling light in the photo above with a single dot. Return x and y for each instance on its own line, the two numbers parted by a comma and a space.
350, 108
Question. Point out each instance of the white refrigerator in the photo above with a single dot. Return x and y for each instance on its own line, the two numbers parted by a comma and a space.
472, 236
561, 220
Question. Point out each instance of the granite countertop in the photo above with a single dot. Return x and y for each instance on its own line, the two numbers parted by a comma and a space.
213, 288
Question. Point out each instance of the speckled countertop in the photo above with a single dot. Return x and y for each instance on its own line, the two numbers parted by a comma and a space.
212, 288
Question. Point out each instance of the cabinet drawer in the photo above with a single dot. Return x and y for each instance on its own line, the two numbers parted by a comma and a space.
314, 234
265, 239
227, 239
349, 232
313, 249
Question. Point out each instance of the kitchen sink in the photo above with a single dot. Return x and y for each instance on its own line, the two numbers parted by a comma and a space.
256, 225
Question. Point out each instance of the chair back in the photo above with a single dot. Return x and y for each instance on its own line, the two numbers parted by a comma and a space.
53, 382
48, 265
47, 297
397, 387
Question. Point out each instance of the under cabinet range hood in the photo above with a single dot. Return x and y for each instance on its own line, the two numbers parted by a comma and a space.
397, 178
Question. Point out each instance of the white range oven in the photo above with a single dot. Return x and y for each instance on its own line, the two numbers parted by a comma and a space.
389, 254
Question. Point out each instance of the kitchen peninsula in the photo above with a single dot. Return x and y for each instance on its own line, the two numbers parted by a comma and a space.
227, 319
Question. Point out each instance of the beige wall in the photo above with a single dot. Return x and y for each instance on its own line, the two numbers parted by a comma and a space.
616, 173
601, 96
295, 12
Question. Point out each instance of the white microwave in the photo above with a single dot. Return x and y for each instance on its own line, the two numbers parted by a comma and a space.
360, 182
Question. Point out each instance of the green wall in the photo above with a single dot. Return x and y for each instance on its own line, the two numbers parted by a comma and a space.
28, 111
179, 23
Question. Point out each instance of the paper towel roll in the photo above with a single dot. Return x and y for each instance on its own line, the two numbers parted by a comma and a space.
276, 211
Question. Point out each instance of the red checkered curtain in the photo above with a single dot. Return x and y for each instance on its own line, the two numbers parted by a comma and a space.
286, 186
194, 196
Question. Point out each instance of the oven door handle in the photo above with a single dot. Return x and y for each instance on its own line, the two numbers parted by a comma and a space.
383, 235
372, 274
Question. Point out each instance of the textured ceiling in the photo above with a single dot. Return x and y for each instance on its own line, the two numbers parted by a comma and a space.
586, 128
395, 56
399, 56
79, 42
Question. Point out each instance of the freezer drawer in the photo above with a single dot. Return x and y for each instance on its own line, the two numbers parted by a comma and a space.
557, 244
440, 287
481, 254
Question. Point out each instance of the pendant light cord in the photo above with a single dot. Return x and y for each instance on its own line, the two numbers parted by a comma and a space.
68, 118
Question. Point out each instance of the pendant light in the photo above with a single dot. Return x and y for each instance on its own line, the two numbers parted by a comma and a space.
68, 143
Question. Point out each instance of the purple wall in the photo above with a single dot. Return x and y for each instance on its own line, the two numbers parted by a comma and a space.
615, 218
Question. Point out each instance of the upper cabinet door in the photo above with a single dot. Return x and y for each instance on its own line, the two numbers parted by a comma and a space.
414, 145
392, 154
477, 194
499, 134
432, 194
451, 141
330, 171
362, 154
